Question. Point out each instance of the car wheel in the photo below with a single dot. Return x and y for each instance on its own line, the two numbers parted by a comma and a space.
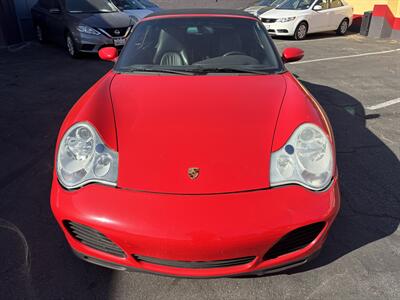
301, 31
40, 34
343, 27
71, 47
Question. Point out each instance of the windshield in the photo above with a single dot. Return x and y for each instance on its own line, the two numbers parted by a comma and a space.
128, 4
197, 44
296, 4
147, 4
90, 6
265, 2
277, 2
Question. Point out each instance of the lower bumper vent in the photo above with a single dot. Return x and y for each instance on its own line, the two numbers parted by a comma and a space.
92, 238
195, 264
295, 240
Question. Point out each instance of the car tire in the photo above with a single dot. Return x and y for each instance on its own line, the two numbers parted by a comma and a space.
40, 34
71, 46
301, 31
343, 27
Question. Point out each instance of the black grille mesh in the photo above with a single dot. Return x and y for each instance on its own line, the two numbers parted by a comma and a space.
195, 264
116, 32
295, 240
264, 20
92, 238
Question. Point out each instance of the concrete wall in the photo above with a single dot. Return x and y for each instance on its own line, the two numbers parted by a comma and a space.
385, 22
361, 6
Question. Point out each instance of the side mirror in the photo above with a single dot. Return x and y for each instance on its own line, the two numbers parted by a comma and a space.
54, 10
317, 7
108, 54
292, 54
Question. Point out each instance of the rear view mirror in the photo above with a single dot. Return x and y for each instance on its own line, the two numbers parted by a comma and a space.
317, 7
292, 54
108, 54
54, 10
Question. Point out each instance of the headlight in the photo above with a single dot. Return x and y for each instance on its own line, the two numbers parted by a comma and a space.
283, 20
83, 158
87, 29
306, 159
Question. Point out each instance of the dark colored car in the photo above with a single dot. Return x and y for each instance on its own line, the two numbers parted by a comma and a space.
132, 8
149, 5
81, 25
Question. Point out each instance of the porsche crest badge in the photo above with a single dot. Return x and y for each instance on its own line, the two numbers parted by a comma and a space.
193, 173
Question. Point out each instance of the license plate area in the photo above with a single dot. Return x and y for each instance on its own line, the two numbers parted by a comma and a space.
119, 41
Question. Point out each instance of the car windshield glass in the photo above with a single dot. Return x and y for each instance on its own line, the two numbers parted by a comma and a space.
265, 2
90, 6
200, 45
147, 4
128, 4
296, 4
277, 2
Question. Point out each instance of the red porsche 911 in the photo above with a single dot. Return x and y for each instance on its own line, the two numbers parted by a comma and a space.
197, 155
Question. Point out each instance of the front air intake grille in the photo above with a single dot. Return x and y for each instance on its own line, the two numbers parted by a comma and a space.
195, 264
295, 240
92, 238
265, 20
116, 32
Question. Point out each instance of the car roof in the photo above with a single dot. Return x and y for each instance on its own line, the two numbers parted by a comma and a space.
200, 11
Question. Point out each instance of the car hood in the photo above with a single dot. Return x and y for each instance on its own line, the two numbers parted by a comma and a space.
255, 8
138, 13
104, 20
282, 13
222, 125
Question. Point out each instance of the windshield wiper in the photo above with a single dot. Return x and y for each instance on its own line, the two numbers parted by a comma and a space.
90, 11
159, 70
194, 71
229, 70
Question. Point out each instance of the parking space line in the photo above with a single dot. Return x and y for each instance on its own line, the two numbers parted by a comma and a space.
281, 42
384, 104
343, 57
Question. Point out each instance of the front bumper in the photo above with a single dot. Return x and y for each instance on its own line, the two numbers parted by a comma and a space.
281, 29
90, 43
196, 228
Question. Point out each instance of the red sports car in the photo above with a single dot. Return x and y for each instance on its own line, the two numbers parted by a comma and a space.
197, 155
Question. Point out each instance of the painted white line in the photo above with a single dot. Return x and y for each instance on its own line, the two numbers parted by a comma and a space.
343, 57
281, 42
384, 104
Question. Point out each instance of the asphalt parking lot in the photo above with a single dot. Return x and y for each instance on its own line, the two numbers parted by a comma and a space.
356, 80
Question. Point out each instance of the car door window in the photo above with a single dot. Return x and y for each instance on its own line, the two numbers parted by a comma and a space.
324, 4
336, 3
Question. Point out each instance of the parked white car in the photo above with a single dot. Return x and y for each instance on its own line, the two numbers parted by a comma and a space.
299, 17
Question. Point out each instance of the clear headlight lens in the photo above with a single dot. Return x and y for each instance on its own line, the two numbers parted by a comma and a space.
83, 158
87, 29
284, 20
306, 159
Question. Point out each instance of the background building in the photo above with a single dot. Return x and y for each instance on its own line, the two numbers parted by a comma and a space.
385, 21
